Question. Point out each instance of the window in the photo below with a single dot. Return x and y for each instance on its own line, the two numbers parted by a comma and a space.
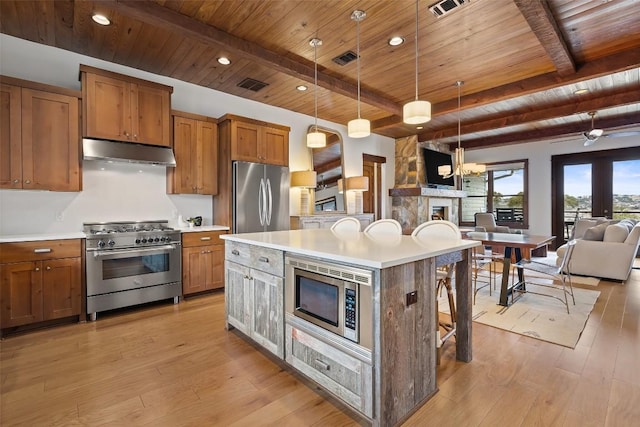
502, 189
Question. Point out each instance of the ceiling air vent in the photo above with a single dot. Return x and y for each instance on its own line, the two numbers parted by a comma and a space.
252, 84
443, 7
345, 58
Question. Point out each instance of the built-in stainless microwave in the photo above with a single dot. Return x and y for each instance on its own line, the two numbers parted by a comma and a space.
334, 297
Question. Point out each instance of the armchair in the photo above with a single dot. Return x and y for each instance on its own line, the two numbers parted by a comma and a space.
486, 223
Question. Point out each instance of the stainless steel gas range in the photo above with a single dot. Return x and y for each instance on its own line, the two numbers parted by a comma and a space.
131, 263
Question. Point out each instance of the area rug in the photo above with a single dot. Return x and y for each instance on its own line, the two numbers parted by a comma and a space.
535, 316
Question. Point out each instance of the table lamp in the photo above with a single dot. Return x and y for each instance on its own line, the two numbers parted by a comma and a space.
358, 184
304, 180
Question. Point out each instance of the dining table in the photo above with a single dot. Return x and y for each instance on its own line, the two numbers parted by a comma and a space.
515, 245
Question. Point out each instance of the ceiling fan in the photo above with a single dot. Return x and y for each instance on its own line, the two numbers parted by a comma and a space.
592, 136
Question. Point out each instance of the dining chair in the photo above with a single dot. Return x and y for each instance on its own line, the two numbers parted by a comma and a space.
486, 222
346, 224
559, 273
441, 230
484, 260
383, 227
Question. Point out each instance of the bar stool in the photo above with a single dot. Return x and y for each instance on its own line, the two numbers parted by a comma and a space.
441, 230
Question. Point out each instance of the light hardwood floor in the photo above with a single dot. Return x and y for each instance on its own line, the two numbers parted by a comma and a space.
176, 365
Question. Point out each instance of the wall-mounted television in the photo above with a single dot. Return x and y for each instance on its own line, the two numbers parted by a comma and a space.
432, 160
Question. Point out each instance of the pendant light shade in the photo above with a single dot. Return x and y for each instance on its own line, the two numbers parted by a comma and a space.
358, 128
316, 139
416, 112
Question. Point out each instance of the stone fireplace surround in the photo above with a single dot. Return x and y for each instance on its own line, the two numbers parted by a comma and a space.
412, 202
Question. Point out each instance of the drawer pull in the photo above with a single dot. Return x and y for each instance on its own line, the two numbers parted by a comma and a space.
235, 252
48, 268
323, 365
37, 268
42, 251
263, 259
205, 238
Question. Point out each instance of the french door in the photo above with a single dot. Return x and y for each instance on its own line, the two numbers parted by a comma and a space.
594, 184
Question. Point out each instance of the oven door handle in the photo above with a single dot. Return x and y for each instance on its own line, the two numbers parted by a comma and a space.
98, 253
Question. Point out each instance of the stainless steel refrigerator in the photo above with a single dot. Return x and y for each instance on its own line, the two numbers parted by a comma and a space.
260, 197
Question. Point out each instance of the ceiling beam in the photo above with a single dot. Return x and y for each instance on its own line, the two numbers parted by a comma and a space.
611, 64
548, 133
625, 97
295, 66
544, 26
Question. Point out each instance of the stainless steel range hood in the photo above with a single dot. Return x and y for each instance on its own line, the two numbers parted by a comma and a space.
100, 149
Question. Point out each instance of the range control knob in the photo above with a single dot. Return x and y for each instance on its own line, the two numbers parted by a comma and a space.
101, 243
164, 239
137, 241
156, 239
111, 242
144, 240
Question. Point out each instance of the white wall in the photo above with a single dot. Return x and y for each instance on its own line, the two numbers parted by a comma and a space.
539, 156
122, 192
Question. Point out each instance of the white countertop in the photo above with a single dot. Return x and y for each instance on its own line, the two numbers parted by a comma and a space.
202, 228
352, 248
13, 238
39, 237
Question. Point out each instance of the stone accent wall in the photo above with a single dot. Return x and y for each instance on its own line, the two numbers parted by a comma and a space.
412, 210
409, 162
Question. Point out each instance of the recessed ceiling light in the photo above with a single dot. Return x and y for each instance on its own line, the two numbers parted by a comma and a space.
224, 60
100, 19
301, 88
396, 41
580, 91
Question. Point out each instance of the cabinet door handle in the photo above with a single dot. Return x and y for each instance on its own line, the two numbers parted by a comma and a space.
235, 252
42, 251
263, 259
205, 238
203, 252
323, 365
15, 181
37, 268
48, 267
27, 181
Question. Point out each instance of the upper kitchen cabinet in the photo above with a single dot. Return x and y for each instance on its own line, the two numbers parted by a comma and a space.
255, 141
39, 136
195, 145
123, 108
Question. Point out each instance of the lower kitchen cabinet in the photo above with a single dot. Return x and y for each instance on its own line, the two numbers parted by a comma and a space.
338, 366
254, 294
202, 261
35, 285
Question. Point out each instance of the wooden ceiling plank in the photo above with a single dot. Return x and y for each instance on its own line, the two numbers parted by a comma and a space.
299, 68
64, 12
128, 31
549, 132
541, 20
626, 97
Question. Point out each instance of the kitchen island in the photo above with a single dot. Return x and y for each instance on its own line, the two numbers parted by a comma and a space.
385, 380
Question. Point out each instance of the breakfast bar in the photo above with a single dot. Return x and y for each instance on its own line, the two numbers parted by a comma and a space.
384, 366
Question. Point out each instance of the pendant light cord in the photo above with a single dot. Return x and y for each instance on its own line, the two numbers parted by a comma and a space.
417, 10
315, 87
459, 83
358, 55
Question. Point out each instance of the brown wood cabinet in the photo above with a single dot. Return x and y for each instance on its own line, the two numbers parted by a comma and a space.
247, 140
39, 281
124, 108
202, 261
39, 137
255, 141
195, 145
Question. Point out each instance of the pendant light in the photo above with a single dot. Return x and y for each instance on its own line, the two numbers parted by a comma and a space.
316, 139
358, 128
416, 111
460, 168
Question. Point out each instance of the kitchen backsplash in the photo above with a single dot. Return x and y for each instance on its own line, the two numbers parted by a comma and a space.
112, 192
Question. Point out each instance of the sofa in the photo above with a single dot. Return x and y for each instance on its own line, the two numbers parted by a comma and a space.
604, 248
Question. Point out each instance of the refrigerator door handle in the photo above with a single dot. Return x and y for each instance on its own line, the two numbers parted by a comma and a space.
269, 209
261, 201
